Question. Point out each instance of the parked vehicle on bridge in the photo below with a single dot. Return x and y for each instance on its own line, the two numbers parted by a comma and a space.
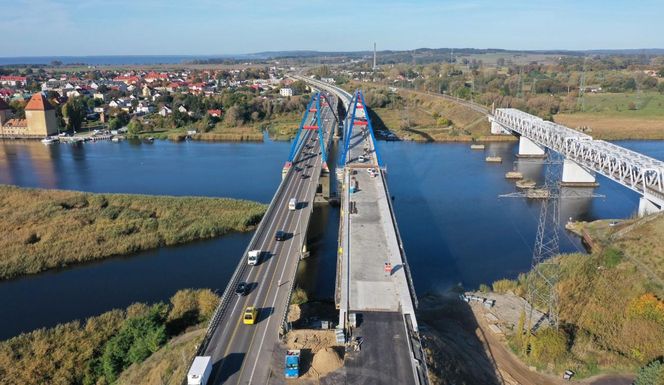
292, 204
361, 158
354, 185
253, 257
280, 235
200, 371
250, 315
292, 367
241, 289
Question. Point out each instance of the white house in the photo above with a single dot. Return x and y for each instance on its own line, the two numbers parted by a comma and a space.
165, 111
74, 93
286, 92
144, 108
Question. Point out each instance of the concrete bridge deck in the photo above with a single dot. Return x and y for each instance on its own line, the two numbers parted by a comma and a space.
372, 236
382, 300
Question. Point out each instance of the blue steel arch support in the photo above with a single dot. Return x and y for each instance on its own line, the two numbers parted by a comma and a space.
373, 138
320, 131
349, 131
295, 146
351, 125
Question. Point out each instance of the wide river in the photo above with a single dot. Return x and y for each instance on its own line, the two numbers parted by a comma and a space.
455, 227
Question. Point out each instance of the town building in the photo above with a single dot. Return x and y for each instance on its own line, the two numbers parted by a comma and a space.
286, 92
40, 120
215, 113
14, 81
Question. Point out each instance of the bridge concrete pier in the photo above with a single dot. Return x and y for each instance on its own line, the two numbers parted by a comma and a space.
324, 187
530, 149
575, 175
647, 207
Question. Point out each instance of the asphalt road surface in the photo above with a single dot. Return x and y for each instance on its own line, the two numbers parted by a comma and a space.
241, 354
384, 357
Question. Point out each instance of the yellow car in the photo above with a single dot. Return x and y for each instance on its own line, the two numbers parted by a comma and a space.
250, 315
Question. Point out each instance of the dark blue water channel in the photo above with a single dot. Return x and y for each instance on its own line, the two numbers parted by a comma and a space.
455, 227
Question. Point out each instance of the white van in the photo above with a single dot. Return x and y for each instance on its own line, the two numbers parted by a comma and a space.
253, 257
292, 204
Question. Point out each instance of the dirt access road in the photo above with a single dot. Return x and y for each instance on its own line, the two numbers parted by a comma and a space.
461, 345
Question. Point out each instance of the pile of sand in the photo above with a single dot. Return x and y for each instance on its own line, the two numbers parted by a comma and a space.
294, 313
325, 361
313, 340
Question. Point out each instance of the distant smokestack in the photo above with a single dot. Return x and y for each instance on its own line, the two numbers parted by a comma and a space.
374, 66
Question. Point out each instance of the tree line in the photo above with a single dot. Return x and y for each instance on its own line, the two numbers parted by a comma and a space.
96, 351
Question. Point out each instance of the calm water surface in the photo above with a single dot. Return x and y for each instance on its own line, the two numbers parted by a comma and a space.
455, 227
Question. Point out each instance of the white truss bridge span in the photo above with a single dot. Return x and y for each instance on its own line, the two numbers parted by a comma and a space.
638, 172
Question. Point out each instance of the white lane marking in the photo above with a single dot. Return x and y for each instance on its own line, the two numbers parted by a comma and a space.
274, 256
276, 293
287, 217
251, 271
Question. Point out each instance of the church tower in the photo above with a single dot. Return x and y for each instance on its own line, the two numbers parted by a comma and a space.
4, 112
40, 116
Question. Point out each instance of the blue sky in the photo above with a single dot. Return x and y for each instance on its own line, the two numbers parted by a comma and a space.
145, 27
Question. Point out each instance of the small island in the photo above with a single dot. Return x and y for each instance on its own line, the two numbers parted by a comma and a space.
47, 229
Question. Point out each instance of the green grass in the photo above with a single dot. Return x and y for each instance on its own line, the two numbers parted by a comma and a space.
299, 296
612, 257
283, 127
648, 104
608, 116
46, 229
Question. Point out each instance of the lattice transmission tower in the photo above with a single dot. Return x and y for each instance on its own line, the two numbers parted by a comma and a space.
544, 274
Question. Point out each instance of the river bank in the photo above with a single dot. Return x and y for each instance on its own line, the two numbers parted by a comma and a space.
604, 328
97, 350
46, 229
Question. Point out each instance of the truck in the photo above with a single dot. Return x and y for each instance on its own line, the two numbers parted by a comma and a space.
292, 361
253, 256
292, 204
200, 370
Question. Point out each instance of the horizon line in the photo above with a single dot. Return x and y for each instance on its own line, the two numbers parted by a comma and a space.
230, 55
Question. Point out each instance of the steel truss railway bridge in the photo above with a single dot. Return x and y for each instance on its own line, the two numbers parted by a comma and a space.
585, 156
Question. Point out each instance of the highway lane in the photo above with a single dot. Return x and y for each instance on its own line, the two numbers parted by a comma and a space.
242, 353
